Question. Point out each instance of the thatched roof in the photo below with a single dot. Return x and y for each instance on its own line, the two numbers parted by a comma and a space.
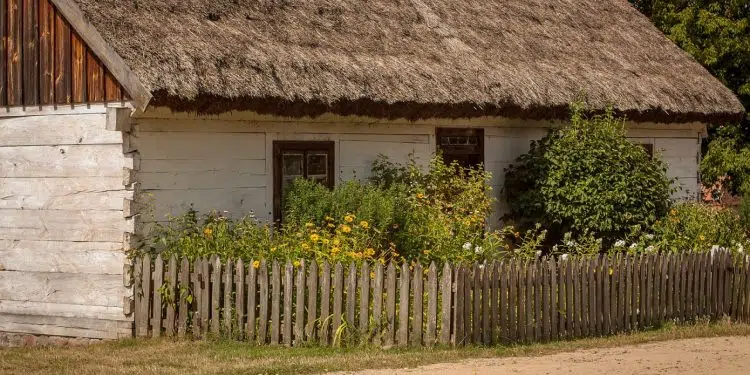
411, 58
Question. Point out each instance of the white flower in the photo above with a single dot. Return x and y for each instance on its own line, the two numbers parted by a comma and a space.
539, 254
649, 236
478, 250
564, 257
467, 246
650, 249
570, 243
633, 246
620, 243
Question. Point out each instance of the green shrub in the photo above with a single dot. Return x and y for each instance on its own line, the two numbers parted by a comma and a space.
586, 177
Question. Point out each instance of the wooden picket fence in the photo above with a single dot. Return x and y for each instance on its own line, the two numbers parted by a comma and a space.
510, 301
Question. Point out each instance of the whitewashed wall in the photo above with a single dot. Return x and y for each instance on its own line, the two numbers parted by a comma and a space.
225, 162
62, 225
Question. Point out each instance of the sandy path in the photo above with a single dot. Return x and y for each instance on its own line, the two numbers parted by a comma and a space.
723, 355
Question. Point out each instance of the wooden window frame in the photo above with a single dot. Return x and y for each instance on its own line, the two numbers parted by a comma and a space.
303, 146
649, 147
461, 132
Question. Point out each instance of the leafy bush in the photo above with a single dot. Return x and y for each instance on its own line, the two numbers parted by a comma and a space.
586, 177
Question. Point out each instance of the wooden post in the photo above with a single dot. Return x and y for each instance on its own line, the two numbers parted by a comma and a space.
446, 287
215, 293
377, 303
141, 299
351, 297
205, 284
417, 306
530, 309
228, 289
252, 288
544, 275
522, 301
554, 318
263, 302
403, 306
325, 303
158, 300
239, 302
476, 319
584, 285
390, 305
486, 281
172, 282
364, 300
502, 273
606, 325
288, 296
593, 306
458, 309
312, 301
338, 296
432, 304
275, 302
494, 301
183, 290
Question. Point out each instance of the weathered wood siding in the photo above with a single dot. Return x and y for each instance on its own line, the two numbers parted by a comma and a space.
225, 162
62, 226
44, 61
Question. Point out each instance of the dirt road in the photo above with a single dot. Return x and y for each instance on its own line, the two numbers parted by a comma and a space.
720, 356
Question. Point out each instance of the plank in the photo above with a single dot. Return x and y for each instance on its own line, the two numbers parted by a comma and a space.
503, 323
684, 288
554, 318
403, 306
669, 275
102, 194
62, 257
14, 51
621, 292
98, 160
702, 284
67, 288
325, 303
417, 306
747, 289
312, 302
30, 52
636, 281
184, 290
158, 299
288, 285
78, 73
544, 272
3, 54
432, 305
171, 286
390, 305
275, 303
364, 300
530, 309
94, 79
593, 321
112, 87
65, 326
494, 313
468, 326
570, 299
140, 298
642, 295
226, 304
299, 303
63, 61
690, 289
215, 320
263, 303
583, 296
521, 300
459, 336
476, 319
485, 304
170, 145
198, 281
338, 296
606, 322
46, 53
252, 300
513, 305
614, 285
628, 311
239, 299
446, 289
351, 296
114, 313
59, 225
377, 304
537, 276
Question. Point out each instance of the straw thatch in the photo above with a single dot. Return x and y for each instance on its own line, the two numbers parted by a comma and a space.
410, 58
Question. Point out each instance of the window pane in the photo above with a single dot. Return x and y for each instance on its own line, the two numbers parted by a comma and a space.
317, 163
292, 164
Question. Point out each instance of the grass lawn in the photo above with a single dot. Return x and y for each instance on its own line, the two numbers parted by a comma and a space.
226, 357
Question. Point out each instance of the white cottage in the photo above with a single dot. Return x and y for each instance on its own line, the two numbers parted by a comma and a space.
215, 103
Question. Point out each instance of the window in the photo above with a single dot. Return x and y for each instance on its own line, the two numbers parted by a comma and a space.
465, 146
300, 159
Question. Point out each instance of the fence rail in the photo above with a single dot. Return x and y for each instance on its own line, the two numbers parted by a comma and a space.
513, 301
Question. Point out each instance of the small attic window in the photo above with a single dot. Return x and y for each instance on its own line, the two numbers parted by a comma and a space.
464, 146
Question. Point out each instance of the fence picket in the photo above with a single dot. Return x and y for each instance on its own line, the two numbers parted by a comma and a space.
458, 309
486, 280
476, 318
747, 288
569, 298
169, 324
467, 305
157, 303
622, 292
312, 302
215, 278
614, 290
530, 309
275, 302
299, 304
628, 317
554, 297
325, 303
417, 306
669, 309
605, 272
584, 296
403, 306
593, 312
351, 297
390, 305
538, 318
377, 303
513, 305
521, 300
183, 290
227, 305
288, 286
546, 300
432, 305
446, 288
141, 298
494, 303
239, 299
364, 299
504, 309
263, 302
338, 297
252, 290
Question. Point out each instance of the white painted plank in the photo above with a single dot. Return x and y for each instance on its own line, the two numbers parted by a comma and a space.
62, 161
85, 193
205, 144
363, 153
238, 202
63, 225
56, 130
75, 289
63, 310
58, 256
64, 326
505, 149
169, 180
676, 147
203, 165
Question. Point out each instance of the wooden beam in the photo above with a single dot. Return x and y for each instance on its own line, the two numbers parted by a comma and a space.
3, 53
63, 68
46, 53
30, 52
111, 60
118, 119
14, 48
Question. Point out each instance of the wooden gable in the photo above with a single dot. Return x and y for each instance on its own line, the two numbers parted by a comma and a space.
43, 61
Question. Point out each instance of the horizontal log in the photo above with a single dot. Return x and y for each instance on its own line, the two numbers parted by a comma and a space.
63, 326
62, 161
58, 256
63, 310
199, 145
68, 288
202, 165
56, 193
203, 179
238, 202
55, 130
63, 225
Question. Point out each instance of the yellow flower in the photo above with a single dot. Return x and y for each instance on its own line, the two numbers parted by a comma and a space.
517, 234
305, 246
328, 218
309, 225
426, 252
335, 250
349, 218
296, 263
330, 225
420, 195
256, 264
314, 237
325, 241
346, 228
702, 237
208, 231
336, 241
673, 212
364, 224
370, 252
273, 249
611, 271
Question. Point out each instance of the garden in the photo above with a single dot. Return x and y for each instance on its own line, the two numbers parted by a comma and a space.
582, 189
